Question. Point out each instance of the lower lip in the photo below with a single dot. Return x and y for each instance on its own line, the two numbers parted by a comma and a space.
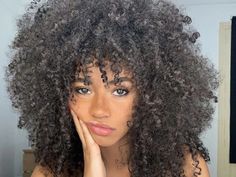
100, 131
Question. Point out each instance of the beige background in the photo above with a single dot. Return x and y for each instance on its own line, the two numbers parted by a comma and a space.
225, 169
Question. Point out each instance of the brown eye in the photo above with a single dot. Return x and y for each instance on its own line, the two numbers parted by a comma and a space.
120, 92
82, 90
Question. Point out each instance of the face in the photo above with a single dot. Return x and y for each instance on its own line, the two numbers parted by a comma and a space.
105, 109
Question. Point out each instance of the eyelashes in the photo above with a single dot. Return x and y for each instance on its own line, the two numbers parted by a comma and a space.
121, 91
81, 90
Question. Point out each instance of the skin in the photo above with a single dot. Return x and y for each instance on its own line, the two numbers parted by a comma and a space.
103, 103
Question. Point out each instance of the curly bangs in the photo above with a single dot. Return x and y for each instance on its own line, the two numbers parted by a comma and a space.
151, 39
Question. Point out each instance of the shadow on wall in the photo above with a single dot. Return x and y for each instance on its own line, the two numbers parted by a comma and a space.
12, 140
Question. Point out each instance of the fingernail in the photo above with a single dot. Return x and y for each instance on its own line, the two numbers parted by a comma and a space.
72, 112
81, 121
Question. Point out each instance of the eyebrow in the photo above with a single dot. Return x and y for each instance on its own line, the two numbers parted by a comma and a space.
121, 79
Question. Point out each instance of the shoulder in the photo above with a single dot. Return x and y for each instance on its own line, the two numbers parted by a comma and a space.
189, 166
40, 171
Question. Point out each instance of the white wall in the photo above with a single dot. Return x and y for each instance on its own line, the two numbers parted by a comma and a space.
12, 140
206, 16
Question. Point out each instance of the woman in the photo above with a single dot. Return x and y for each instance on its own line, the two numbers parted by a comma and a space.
112, 88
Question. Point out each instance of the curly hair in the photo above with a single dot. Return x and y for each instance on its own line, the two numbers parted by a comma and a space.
153, 39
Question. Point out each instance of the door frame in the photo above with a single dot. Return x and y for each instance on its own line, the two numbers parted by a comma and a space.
225, 169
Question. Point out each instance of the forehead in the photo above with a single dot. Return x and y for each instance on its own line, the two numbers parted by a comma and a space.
107, 72
108, 68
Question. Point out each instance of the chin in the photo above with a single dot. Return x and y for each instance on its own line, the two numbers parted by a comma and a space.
105, 144
105, 141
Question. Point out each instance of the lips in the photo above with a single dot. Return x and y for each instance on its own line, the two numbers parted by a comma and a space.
100, 129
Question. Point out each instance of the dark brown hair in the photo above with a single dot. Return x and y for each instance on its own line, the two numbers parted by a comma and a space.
152, 39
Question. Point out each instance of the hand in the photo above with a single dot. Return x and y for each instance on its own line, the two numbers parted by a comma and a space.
93, 163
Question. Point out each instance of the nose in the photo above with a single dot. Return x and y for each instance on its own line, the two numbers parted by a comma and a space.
99, 107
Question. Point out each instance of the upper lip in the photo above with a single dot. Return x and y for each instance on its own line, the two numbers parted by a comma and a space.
97, 124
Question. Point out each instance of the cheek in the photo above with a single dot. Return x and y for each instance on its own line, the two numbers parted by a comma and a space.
80, 108
123, 111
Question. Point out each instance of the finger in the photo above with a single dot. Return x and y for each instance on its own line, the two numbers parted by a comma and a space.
87, 135
78, 128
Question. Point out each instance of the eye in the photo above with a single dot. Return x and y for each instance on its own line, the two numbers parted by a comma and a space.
121, 92
82, 90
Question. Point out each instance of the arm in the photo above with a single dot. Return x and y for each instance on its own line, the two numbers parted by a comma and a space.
189, 169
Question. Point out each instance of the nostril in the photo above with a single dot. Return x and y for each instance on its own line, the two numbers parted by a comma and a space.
100, 116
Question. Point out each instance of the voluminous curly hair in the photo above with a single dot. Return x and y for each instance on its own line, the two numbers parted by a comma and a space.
153, 39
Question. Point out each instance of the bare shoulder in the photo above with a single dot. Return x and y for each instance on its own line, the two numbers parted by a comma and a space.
40, 171
190, 169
